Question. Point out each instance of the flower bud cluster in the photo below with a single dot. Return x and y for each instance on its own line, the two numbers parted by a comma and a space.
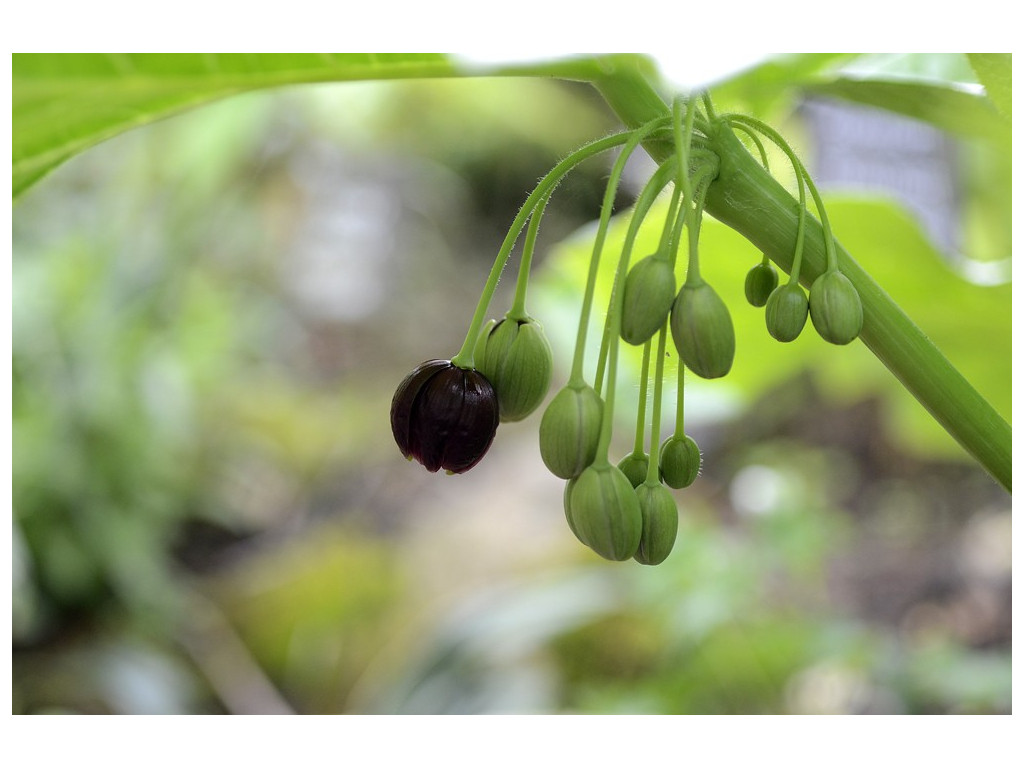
834, 307
445, 413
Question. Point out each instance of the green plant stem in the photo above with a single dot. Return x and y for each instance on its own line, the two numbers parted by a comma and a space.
752, 134
641, 409
683, 131
647, 196
464, 357
602, 359
659, 375
746, 198
677, 216
631, 143
753, 203
667, 243
803, 178
708, 106
683, 216
694, 213
680, 389
518, 311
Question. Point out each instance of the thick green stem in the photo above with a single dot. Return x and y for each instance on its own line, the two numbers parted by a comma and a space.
749, 200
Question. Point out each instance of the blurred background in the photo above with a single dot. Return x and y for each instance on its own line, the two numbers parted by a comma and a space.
211, 516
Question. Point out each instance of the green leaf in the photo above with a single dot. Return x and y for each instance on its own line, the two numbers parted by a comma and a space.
994, 70
913, 67
756, 89
949, 108
65, 103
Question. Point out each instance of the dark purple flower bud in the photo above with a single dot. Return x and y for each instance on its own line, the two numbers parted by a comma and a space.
444, 416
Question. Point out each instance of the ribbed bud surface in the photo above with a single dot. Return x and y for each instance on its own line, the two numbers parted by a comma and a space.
785, 314
702, 331
516, 357
761, 280
606, 512
569, 431
634, 467
836, 308
647, 298
660, 524
679, 462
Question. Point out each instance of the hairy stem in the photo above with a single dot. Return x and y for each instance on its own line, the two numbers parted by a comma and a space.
464, 357
641, 409
518, 311
659, 377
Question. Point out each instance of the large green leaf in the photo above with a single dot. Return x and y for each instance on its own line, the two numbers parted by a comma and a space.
945, 106
994, 70
758, 88
64, 103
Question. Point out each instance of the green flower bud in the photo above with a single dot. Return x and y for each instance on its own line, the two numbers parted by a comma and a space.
679, 462
761, 281
516, 358
606, 512
660, 524
566, 495
647, 298
785, 314
569, 430
836, 309
634, 466
702, 331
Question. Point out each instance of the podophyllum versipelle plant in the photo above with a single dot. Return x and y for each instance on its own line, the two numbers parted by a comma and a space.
446, 413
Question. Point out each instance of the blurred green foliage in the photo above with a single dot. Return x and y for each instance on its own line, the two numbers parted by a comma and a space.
210, 516
65, 103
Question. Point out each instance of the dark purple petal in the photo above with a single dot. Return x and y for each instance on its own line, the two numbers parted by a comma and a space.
434, 415
404, 400
444, 416
471, 435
